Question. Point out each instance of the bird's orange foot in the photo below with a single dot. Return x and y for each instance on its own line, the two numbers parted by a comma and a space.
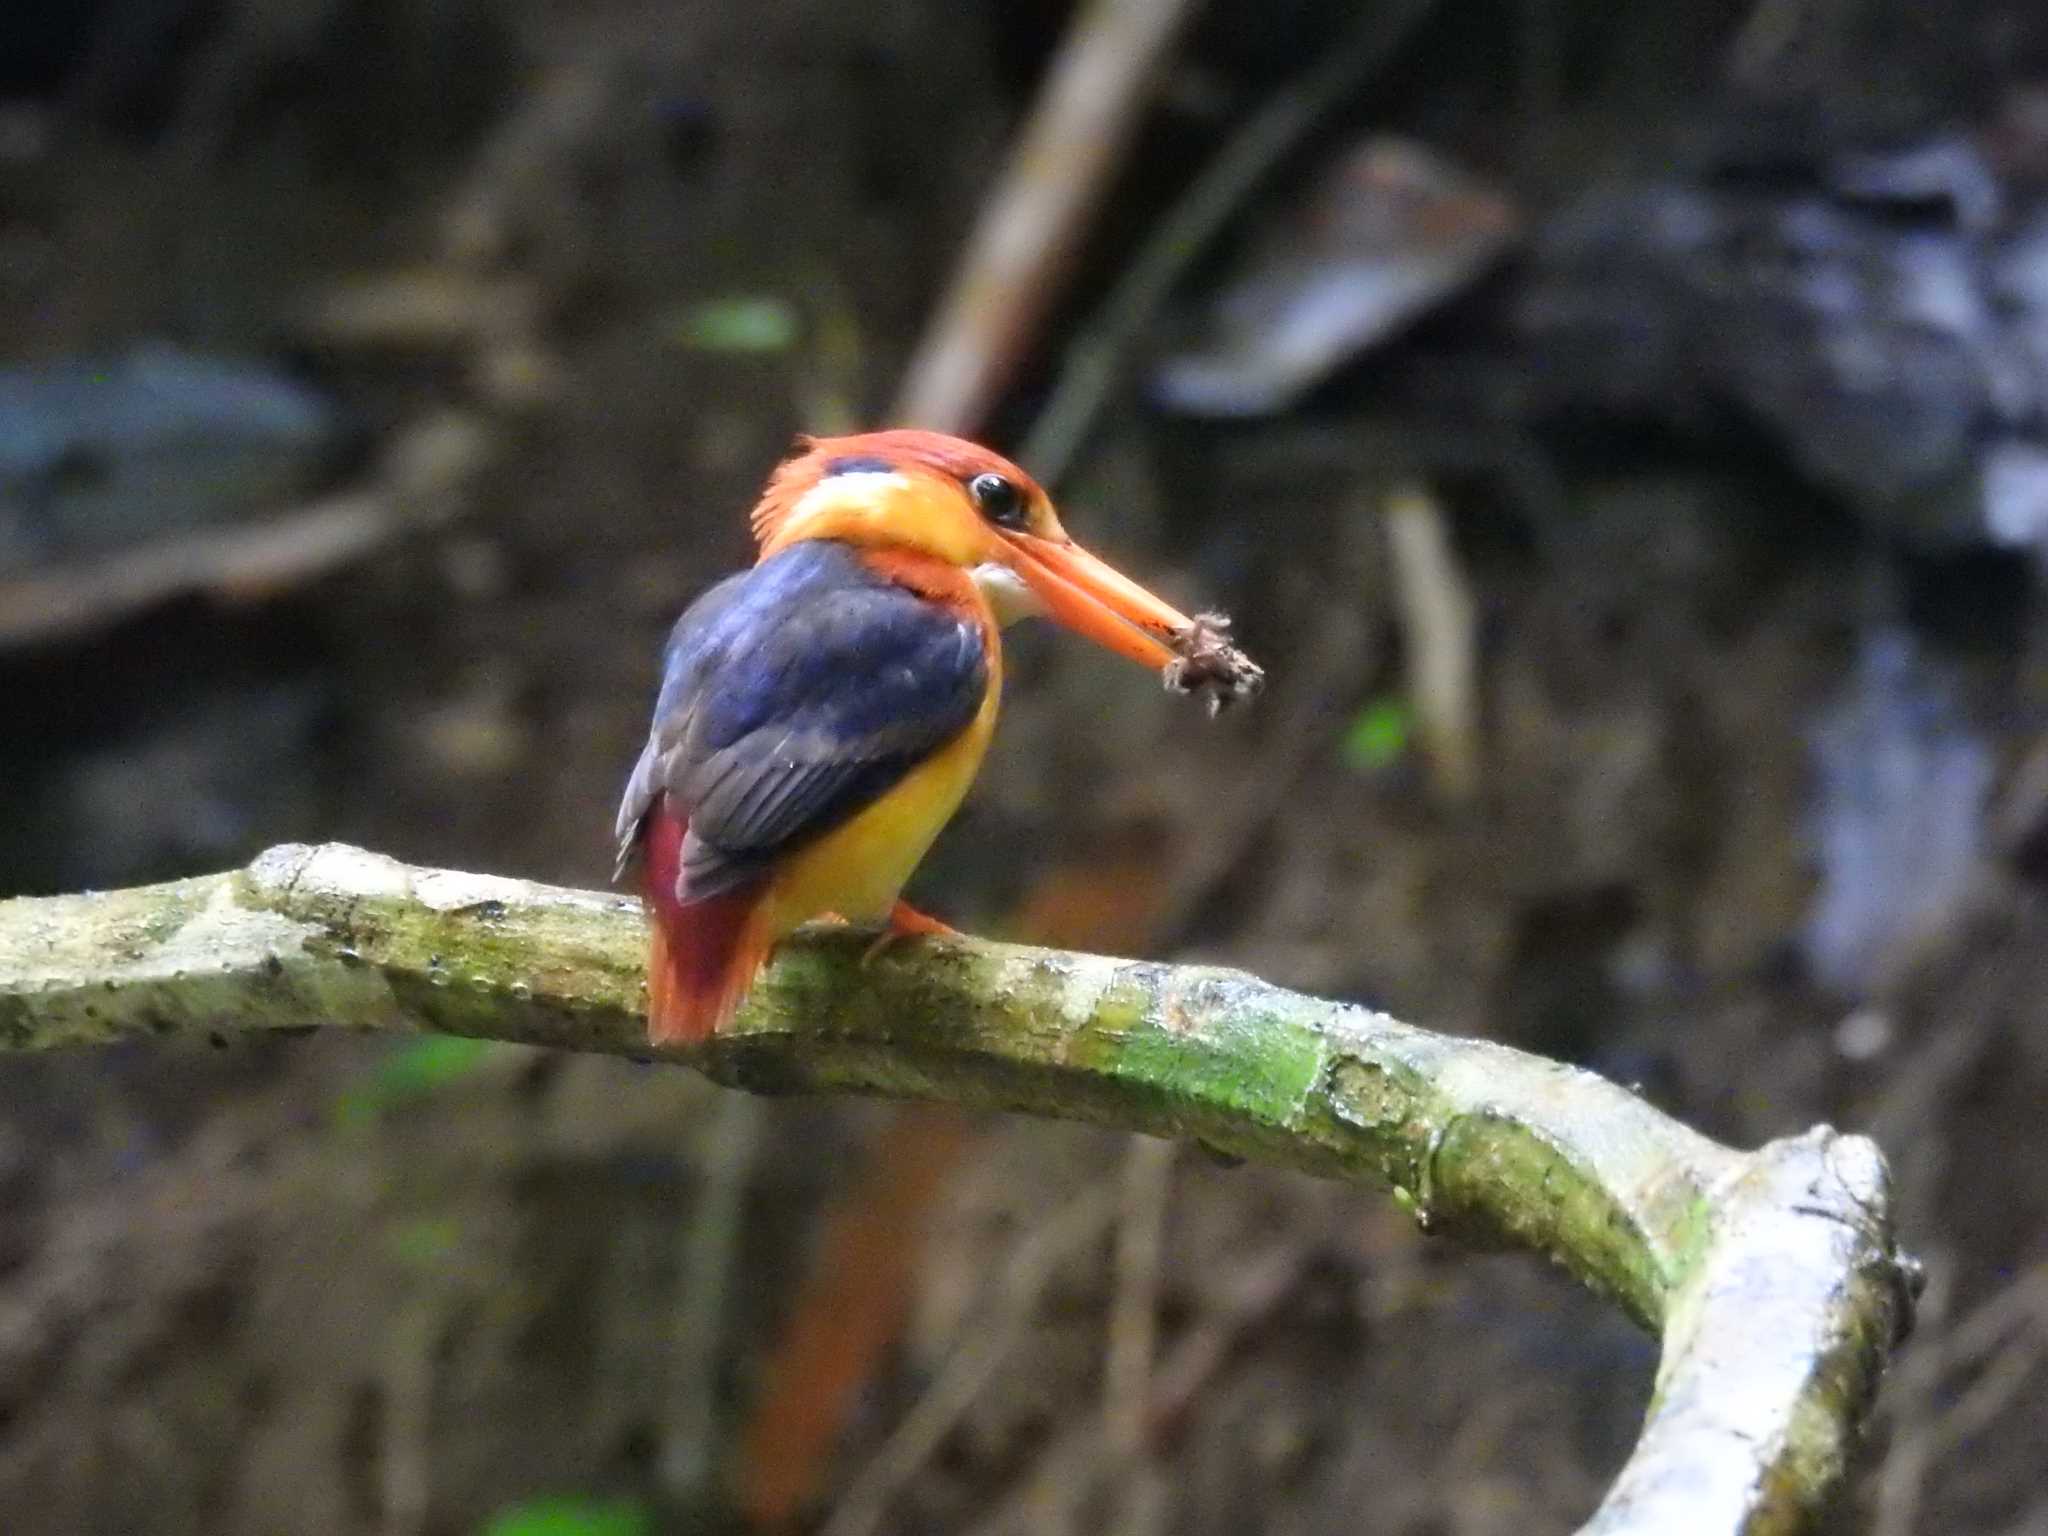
906, 922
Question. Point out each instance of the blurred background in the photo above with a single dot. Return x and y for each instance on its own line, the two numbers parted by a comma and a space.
1622, 433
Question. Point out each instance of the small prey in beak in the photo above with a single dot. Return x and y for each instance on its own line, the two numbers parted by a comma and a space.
1208, 665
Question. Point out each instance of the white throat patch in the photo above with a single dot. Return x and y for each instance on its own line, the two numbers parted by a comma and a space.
1008, 595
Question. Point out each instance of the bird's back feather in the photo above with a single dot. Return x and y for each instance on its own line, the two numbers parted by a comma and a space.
805, 705
793, 696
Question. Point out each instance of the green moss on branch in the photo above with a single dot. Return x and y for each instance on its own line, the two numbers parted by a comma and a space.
1772, 1276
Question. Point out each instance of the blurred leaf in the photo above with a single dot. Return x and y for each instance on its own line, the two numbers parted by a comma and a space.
426, 1242
432, 1061
412, 1071
744, 324
1390, 230
570, 1516
1378, 735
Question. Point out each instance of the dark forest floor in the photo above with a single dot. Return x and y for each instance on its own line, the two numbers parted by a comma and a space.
315, 1286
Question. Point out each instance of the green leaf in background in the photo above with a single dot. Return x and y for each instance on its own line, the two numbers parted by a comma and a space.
572, 1517
426, 1243
433, 1061
1378, 735
412, 1071
744, 324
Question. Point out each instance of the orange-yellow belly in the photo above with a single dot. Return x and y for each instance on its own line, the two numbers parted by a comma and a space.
858, 869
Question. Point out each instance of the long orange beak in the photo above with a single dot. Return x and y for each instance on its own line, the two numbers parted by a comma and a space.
1097, 601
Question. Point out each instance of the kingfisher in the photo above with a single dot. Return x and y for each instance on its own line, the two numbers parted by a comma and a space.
822, 714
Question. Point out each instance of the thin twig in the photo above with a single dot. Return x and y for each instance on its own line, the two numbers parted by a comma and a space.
407, 1471
1134, 1331
973, 1365
421, 482
1076, 1464
1440, 623
533, 147
2020, 1304
1033, 224
845, 1315
2033, 1523
709, 1243
2010, 1330
1991, 1394
1095, 361
1906, 1466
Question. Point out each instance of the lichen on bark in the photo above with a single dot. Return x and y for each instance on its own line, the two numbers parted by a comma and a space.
1773, 1277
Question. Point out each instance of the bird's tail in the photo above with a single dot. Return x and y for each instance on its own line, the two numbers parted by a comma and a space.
702, 957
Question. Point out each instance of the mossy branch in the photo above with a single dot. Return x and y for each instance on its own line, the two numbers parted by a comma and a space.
1772, 1277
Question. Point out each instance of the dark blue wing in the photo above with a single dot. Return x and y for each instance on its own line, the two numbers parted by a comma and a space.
794, 695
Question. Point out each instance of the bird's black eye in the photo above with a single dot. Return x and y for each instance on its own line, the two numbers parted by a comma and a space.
999, 499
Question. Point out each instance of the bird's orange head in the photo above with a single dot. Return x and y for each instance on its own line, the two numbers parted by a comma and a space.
924, 498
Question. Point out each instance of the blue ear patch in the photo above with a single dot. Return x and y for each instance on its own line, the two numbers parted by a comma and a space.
858, 464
